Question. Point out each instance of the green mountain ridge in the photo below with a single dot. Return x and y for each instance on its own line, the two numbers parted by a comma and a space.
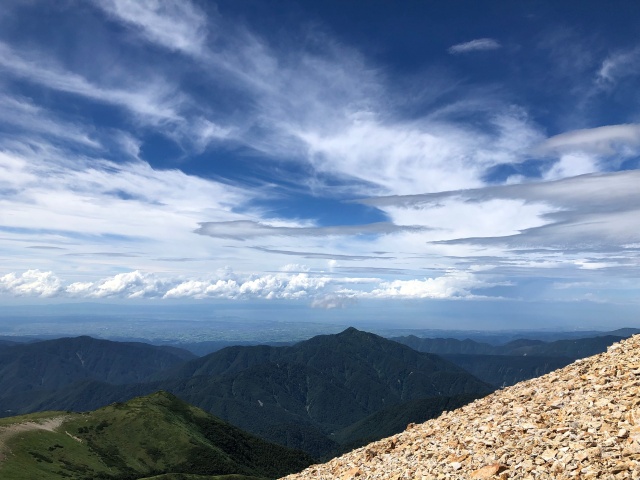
157, 436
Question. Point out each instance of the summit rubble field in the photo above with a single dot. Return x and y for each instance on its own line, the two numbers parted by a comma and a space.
582, 421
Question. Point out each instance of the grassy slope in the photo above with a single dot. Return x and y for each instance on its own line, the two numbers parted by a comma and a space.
146, 436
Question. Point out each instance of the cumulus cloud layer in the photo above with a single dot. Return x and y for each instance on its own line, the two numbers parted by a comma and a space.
31, 283
286, 285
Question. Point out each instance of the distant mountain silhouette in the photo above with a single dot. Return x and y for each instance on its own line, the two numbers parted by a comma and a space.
515, 361
506, 370
572, 348
53, 364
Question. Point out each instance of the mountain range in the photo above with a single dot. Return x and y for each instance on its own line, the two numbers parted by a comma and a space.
300, 396
322, 395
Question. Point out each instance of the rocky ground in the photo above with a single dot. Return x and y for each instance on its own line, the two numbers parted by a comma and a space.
579, 422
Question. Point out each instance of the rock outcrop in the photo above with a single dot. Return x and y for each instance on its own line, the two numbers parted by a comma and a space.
579, 422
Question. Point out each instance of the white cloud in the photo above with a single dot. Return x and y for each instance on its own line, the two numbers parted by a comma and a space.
480, 44
123, 285
590, 265
22, 113
547, 227
294, 267
270, 287
326, 107
90, 196
130, 211
618, 65
176, 25
30, 283
571, 165
422, 156
459, 218
606, 140
617, 190
318, 289
137, 284
323, 106
204, 132
454, 284
149, 98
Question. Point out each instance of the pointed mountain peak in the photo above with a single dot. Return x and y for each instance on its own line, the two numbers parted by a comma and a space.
350, 331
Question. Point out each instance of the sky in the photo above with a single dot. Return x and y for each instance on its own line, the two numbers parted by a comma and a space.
434, 163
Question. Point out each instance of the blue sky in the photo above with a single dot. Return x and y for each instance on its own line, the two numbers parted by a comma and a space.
343, 157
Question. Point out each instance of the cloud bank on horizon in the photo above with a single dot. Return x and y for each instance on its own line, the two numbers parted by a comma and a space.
188, 150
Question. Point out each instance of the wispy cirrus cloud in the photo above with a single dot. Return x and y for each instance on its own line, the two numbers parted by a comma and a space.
180, 26
479, 44
617, 66
22, 114
324, 106
149, 99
